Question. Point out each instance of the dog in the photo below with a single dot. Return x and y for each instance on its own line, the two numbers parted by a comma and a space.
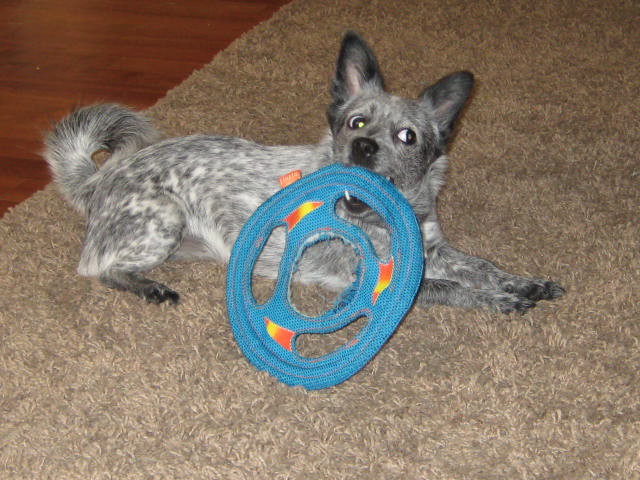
189, 197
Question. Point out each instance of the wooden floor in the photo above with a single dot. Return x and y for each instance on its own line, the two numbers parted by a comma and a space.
56, 54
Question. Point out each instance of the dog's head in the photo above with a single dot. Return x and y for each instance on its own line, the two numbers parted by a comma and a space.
399, 138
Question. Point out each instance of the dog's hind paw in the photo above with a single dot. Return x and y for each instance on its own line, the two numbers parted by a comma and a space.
150, 290
159, 293
552, 290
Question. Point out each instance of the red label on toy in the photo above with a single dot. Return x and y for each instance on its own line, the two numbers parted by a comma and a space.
288, 178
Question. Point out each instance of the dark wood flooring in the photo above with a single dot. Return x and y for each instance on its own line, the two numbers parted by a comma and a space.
57, 54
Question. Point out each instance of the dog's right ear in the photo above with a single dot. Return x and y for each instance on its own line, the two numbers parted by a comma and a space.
356, 69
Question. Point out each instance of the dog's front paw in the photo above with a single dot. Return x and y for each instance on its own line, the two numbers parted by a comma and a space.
448, 292
535, 290
508, 302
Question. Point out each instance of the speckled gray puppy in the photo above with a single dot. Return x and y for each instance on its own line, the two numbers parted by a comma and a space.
189, 197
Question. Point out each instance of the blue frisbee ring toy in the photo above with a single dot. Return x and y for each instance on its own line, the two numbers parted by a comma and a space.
383, 291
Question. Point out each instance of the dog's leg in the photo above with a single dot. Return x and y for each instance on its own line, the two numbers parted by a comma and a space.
456, 279
121, 246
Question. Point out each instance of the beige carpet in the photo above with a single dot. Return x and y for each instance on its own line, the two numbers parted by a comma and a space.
544, 179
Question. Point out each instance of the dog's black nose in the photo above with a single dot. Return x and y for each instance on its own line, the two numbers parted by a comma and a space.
362, 151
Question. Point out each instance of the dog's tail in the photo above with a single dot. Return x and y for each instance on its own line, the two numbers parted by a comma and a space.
70, 146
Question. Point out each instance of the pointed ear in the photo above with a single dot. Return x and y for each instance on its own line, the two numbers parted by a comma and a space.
356, 69
446, 99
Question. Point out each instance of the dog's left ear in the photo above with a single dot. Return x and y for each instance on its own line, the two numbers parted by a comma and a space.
356, 69
446, 98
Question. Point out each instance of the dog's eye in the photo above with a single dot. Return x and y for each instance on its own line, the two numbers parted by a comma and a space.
406, 136
356, 122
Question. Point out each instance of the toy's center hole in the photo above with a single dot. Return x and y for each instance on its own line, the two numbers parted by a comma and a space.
314, 345
368, 220
262, 283
330, 265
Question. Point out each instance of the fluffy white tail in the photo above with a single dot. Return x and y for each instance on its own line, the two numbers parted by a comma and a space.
70, 145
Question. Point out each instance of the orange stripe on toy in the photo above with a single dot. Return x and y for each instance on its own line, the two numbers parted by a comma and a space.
384, 279
281, 335
299, 213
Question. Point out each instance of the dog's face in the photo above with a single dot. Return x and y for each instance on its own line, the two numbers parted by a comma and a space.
401, 139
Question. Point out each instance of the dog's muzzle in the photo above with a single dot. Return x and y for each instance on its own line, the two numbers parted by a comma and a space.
363, 152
